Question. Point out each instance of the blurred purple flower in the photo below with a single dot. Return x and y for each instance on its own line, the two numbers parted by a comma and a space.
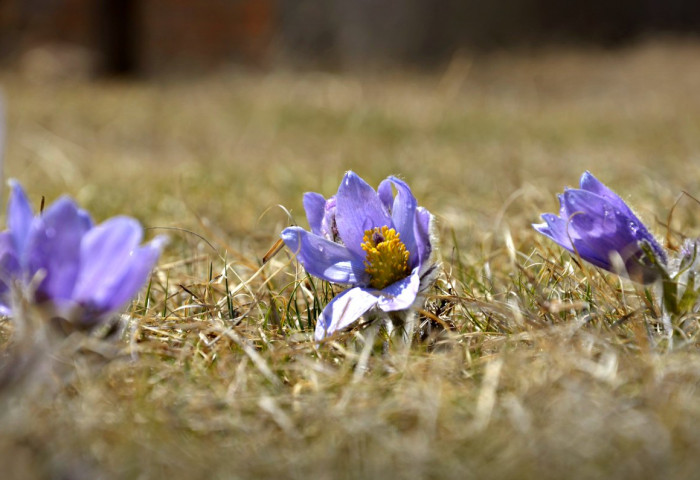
80, 272
372, 240
597, 224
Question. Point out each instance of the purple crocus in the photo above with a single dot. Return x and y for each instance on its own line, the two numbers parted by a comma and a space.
597, 224
377, 242
79, 272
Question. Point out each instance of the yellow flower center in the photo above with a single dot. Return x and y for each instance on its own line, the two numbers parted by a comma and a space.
387, 257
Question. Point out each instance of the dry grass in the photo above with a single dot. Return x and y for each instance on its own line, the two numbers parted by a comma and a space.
547, 370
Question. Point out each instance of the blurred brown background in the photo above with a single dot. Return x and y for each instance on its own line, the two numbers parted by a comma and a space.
142, 37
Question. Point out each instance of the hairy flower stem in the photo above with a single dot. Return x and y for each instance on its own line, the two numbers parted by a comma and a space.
401, 326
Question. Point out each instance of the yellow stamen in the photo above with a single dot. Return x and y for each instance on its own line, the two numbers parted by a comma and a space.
387, 257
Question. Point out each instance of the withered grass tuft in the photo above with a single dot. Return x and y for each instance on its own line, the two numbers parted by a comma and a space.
527, 363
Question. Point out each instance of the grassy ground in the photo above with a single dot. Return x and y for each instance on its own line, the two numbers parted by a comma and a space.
547, 369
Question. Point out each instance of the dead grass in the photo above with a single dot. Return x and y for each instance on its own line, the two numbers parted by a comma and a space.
546, 369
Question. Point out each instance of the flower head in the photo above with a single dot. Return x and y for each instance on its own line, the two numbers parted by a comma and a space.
79, 271
597, 224
377, 242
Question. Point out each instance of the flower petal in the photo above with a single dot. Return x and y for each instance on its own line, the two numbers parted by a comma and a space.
343, 310
591, 184
19, 215
404, 217
9, 263
595, 227
329, 227
563, 232
400, 295
422, 231
594, 217
563, 213
53, 245
86, 219
358, 209
386, 194
315, 207
105, 257
556, 229
325, 259
140, 265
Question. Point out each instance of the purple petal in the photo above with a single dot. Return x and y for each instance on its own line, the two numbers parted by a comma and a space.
86, 219
9, 263
556, 229
53, 245
594, 217
400, 295
422, 229
140, 263
315, 207
358, 209
591, 184
19, 215
329, 227
105, 257
386, 194
596, 228
324, 259
404, 217
563, 213
343, 310
565, 233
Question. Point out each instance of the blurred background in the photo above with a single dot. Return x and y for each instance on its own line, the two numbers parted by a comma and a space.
487, 108
143, 37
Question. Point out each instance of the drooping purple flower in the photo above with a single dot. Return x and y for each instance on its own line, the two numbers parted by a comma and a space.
597, 224
377, 242
80, 272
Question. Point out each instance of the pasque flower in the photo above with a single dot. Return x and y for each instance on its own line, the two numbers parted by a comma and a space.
377, 242
597, 224
79, 272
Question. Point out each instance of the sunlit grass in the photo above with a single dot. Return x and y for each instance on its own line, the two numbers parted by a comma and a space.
527, 363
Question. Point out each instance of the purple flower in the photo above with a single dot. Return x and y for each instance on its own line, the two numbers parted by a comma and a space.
79, 271
375, 241
596, 223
